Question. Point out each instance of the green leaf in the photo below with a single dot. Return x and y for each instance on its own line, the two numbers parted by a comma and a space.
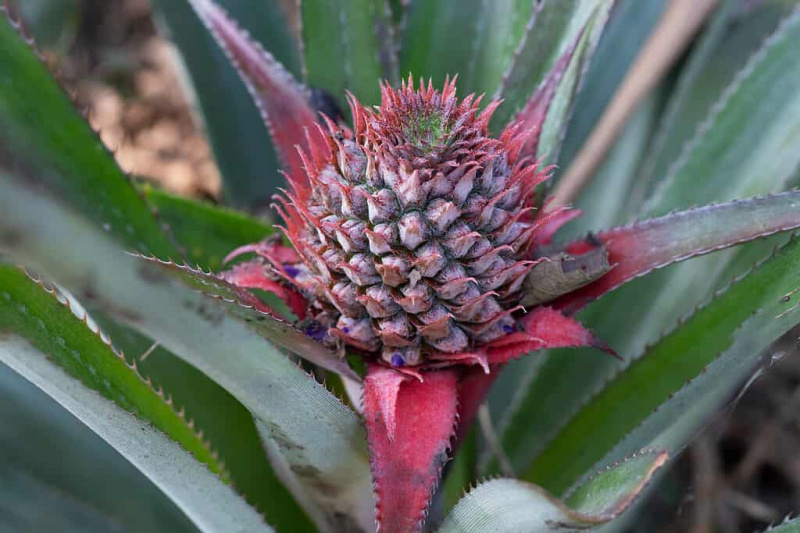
38, 315
30, 312
39, 121
635, 250
749, 356
735, 33
649, 305
629, 26
487, 33
205, 233
201, 495
320, 441
749, 135
513, 505
560, 111
663, 370
58, 475
348, 45
225, 422
738, 156
241, 143
787, 526
243, 305
43, 125
555, 26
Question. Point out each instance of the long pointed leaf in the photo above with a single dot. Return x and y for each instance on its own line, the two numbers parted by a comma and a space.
322, 440
635, 250
47, 323
512, 505
58, 475
225, 422
209, 503
206, 233
282, 101
649, 305
242, 145
28, 311
737, 156
554, 27
45, 128
680, 356
642, 247
749, 355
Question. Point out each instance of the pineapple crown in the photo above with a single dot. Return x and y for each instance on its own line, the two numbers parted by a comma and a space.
414, 230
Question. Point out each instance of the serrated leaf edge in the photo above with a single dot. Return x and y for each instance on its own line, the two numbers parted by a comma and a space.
717, 108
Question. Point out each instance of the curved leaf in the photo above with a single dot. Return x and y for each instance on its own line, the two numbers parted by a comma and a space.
242, 145
205, 233
250, 310
283, 103
225, 422
650, 305
58, 475
48, 324
321, 440
741, 161
676, 421
515, 506
51, 134
634, 251
209, 503
554, 27
625, 402
642, 247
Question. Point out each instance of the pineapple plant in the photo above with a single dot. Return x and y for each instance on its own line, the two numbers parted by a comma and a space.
358, 365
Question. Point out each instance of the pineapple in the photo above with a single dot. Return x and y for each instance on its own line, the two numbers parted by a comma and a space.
414, 232
419, 235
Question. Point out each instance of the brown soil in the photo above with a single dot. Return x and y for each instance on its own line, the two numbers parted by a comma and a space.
124, 74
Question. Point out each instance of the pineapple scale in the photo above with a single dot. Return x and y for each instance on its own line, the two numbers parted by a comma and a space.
415, 229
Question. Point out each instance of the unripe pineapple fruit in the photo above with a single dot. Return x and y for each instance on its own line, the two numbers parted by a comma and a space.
414, 239
414, 230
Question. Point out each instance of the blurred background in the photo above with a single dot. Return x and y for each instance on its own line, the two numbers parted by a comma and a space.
739, 475
110, 57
